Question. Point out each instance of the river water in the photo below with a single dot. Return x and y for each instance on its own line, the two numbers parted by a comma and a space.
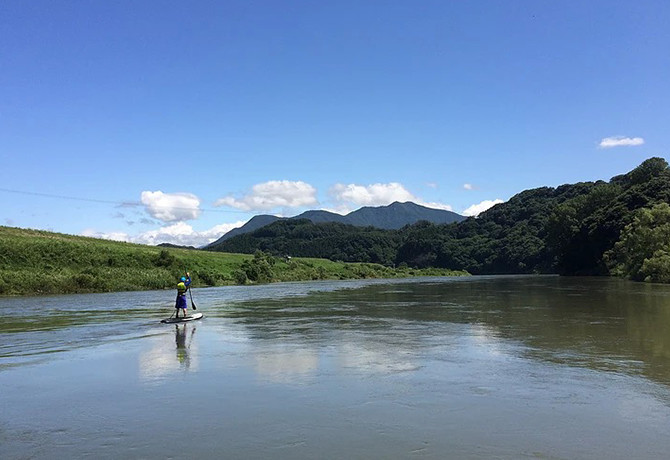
464, 368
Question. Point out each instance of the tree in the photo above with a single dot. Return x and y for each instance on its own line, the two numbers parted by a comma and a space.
643, 252
567, 229
259, 269
647, 170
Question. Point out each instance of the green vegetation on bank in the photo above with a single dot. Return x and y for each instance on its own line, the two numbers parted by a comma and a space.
39, 262
617, 228
620, 227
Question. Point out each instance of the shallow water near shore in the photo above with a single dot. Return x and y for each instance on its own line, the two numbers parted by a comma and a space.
478, 367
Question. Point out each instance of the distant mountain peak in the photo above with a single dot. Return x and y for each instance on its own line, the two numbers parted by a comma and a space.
393, 216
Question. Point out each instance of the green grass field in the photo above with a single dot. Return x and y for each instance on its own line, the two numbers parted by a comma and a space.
38, 262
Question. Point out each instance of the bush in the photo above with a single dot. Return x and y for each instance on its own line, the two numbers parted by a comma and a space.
206, 278
165, 259
259, 269
657, 268
240, 276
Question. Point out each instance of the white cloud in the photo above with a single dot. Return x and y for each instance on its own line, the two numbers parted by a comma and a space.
468, 186
353, 195
620, 141
179, 233
477, 209
434, 205
116, 236
273, 194
371, 195
183, 234
171, 207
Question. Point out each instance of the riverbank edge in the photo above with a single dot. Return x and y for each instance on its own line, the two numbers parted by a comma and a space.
35, 262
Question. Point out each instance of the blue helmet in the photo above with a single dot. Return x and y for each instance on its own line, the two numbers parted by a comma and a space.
182, 279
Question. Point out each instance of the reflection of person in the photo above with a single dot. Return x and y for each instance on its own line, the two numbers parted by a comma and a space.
180, 336
181, 331
182, 287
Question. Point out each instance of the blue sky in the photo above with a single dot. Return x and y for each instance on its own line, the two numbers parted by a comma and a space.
159, 121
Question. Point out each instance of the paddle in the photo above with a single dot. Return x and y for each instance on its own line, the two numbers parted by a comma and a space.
192, 303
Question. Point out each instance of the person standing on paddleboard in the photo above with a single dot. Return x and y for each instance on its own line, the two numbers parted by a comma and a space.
182, 287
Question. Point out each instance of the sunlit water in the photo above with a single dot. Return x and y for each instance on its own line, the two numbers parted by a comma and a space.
480, 367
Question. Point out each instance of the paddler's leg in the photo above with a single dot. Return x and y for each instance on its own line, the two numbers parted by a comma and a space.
181, 304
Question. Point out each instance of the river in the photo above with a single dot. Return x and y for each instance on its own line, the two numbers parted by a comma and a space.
500, 367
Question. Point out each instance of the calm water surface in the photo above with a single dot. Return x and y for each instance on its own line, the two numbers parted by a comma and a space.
463, 368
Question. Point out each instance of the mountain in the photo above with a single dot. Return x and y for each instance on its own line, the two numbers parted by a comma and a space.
254, 223
616, 227
391, 217
397, 215
318, 217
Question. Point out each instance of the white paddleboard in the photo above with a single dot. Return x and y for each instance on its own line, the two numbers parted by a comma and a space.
182, 319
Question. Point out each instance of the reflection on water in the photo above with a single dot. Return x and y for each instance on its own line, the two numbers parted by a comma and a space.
373, 359
183, 344
164, 357
481, 367
282, 364
599, 323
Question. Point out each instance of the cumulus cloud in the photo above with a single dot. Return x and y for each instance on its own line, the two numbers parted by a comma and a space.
477, 209
353, 195
371, 195
171, 207
179, 233
620, 141
273, 194
468, 186
182, 233
116, 236
434, 205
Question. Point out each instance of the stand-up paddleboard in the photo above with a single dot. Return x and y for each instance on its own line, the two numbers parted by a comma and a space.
182, 319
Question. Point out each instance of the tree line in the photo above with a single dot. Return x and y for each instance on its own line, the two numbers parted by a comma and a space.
617, 227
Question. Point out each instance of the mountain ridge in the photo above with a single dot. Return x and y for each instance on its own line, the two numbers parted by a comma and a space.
617, 227
390, 217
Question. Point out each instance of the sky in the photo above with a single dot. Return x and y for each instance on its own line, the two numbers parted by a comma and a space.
174, 122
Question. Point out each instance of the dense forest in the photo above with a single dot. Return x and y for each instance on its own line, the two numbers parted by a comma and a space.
620, 227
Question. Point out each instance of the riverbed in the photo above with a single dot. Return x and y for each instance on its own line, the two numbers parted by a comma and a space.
479, 367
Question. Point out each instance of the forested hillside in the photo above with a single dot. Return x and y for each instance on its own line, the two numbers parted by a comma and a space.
394, 216
590, 228
331, 240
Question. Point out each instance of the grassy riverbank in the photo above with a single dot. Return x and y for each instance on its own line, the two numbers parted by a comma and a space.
39, 262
